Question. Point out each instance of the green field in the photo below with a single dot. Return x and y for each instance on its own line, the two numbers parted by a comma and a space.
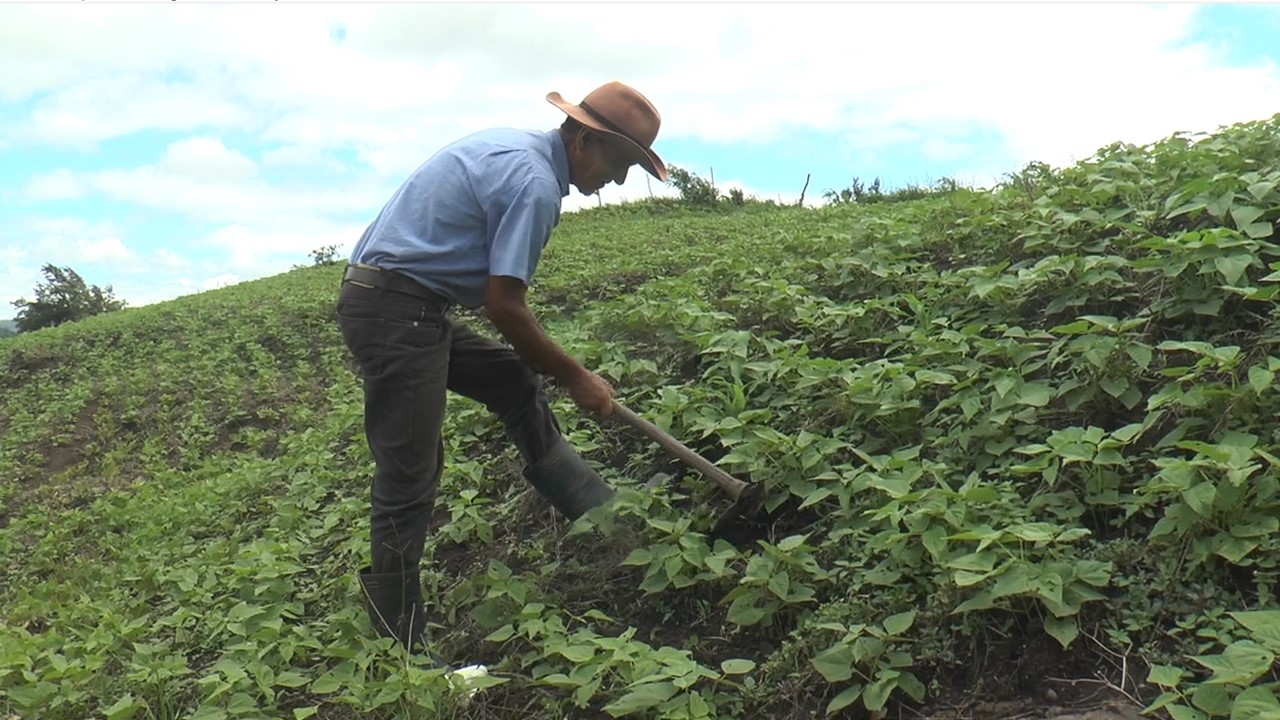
1009, 438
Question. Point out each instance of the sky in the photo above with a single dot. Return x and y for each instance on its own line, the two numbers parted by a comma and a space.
167, 148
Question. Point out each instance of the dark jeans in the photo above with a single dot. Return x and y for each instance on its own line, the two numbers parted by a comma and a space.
410, 352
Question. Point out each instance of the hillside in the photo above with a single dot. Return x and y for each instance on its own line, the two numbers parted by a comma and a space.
1017, 446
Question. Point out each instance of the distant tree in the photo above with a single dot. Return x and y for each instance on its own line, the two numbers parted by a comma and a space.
63, 297
694, 190
326, 255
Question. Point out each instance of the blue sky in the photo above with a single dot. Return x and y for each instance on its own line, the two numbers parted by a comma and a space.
166, 150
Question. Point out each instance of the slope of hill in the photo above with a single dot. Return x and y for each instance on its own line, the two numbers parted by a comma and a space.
1014, 443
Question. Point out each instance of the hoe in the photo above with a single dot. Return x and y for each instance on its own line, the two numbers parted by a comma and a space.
748, 499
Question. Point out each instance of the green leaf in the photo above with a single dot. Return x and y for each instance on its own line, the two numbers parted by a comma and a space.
1258, 230
900, 623
1140, 354
122, 709
1234, 549
1218, 206
1035, 394
791, 542
642, 697
305, 712
742, 611
933, 376
1094, 572
1165, 676
1260, 378
1260, 190
835, 664
577, 653
1034, 532
1243, 215
326, 684
1255, 703
639, 556
1064, 630
1241, 663
501, 635
844, 699
1232, 267
737, 666
1255, 526
779, 584
1182, 712
877, 693
982, 601
1212, 699
1263, 626
291, 679
1115, 386
1200, 498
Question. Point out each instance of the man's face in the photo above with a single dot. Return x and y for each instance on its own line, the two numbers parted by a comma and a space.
599, 160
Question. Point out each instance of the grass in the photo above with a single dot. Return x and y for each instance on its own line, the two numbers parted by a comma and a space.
1007, 438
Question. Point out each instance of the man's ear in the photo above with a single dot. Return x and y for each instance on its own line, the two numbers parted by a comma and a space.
577, 142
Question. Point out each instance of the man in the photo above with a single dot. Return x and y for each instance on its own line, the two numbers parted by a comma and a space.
467, 228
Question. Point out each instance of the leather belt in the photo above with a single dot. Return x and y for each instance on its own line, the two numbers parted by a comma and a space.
376, 277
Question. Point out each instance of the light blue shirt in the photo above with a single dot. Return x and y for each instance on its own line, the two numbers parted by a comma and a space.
483, 205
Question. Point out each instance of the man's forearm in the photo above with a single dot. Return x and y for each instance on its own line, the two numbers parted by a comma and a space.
520, 328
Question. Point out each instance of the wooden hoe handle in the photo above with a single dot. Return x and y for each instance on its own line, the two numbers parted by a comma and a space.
731, 485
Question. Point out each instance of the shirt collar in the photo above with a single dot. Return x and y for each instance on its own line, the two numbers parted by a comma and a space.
559, 160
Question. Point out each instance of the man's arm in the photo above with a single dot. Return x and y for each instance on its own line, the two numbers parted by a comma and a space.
506, 308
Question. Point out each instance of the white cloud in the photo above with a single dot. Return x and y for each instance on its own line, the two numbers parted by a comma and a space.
220, 189
71, 241
1057, 80
105, 249
267, 249
167, 260
219, 281
407, 78
60, 184
301, 157
206, 158
973, 85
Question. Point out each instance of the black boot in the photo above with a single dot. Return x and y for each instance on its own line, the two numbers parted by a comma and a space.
394, 603
565, 479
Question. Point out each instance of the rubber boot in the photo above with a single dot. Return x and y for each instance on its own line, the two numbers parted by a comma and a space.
394, 603
568, 482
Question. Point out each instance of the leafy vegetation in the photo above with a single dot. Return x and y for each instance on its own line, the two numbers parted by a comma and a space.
1005, 436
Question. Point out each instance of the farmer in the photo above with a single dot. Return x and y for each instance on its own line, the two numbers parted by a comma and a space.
467, 229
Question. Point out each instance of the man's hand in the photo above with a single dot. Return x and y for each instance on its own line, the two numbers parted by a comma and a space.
592, 393
506, 309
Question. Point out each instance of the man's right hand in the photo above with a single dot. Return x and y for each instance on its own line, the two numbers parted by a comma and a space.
592, 393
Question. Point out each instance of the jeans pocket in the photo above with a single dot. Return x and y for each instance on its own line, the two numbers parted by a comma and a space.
358, 310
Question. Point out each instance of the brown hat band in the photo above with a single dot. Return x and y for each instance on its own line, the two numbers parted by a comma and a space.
606, 122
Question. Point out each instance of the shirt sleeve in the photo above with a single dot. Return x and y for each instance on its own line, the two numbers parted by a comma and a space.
520, 227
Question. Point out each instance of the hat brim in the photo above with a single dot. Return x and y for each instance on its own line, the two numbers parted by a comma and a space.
643, 156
